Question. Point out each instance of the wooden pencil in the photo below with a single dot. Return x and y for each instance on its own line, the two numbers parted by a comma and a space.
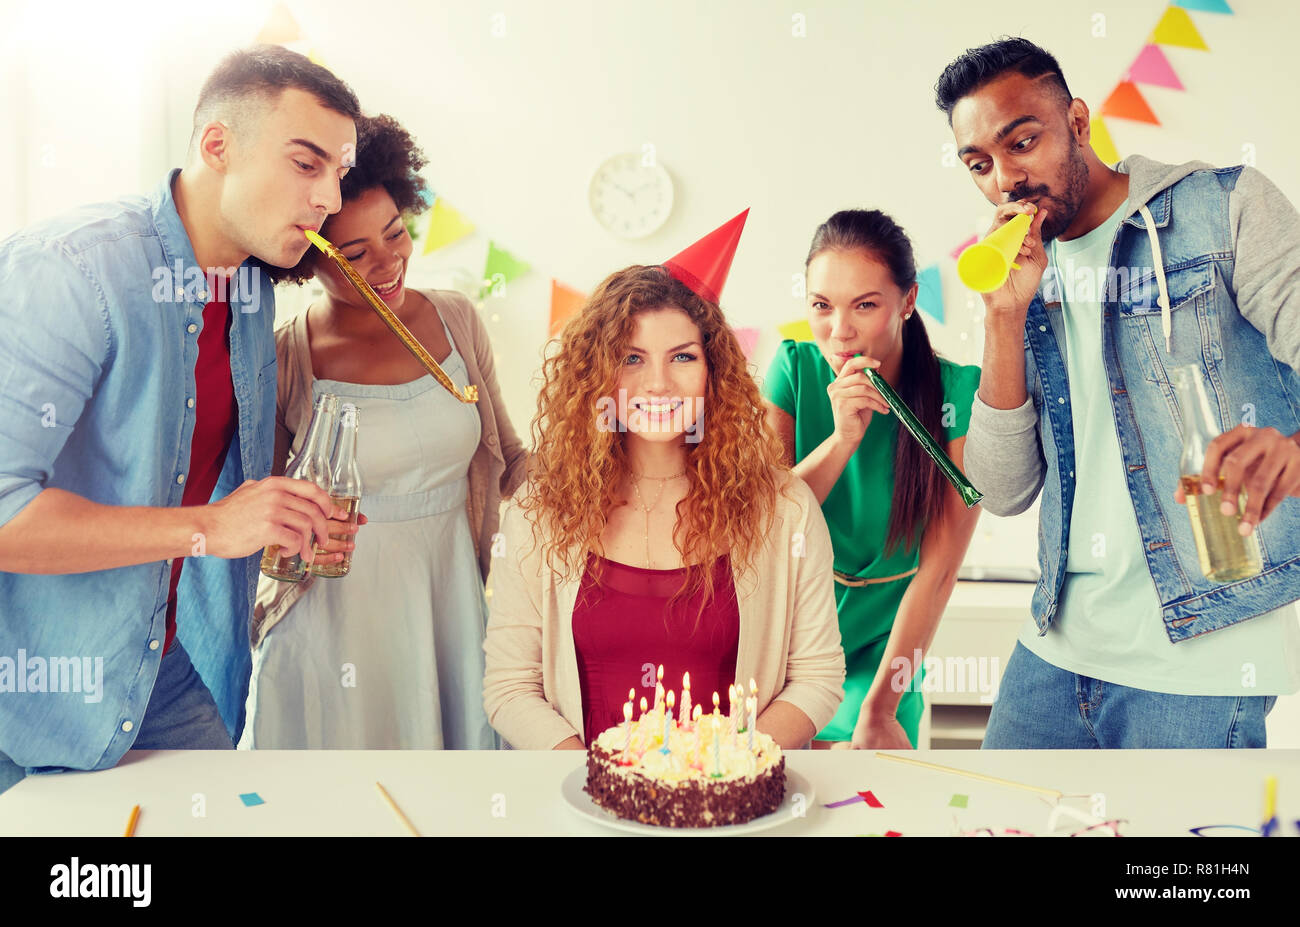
397, 811
1056, 793
130, 824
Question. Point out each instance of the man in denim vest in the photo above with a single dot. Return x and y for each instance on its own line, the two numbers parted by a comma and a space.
1126, 274
137, 415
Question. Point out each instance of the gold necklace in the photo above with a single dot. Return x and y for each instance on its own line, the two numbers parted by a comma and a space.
663, 483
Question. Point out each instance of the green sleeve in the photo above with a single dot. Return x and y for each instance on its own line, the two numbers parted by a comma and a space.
960, 383
780, 382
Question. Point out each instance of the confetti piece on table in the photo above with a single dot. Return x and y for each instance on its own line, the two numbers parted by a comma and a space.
871, 800
892, 833
848, 801
251, 798
958, 801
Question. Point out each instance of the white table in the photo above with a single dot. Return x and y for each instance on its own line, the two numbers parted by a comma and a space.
331, 793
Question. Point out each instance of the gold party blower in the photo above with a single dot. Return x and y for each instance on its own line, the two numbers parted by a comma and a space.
470, 393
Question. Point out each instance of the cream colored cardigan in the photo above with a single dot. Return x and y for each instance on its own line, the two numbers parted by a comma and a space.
789, 631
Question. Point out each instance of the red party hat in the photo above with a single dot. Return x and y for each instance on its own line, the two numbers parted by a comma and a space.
703, 267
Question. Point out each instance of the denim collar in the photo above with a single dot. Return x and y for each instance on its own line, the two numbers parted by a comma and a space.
188, 278
1160, 207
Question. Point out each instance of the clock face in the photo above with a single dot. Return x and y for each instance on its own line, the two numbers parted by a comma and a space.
630, 198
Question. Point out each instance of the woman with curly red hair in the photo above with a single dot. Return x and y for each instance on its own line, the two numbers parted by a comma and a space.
651, 533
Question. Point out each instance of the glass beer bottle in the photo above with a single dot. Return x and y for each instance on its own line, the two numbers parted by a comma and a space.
311, 464
1224, 554
345, 488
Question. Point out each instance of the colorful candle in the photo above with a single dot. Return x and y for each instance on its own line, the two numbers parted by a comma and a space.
685, 714
668, 720
752, 704
717, 746
627, 721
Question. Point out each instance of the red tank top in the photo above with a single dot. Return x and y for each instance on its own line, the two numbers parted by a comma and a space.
625, 627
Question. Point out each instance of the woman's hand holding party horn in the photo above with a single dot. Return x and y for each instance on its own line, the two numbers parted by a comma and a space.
853, 401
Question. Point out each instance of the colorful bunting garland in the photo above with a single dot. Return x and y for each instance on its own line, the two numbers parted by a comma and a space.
1177, 28
565, 302
1152, 67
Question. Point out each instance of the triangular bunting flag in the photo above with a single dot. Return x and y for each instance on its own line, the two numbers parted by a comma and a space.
281, 28
1102, 143
929, 292
748, 338
1205, 6
501, 262
445, 226
796, 331
1126, 102
314, 57
956, 252
565, 302
1152, 67
1176, 28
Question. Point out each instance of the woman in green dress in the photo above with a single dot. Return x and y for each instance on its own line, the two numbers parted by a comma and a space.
899, 530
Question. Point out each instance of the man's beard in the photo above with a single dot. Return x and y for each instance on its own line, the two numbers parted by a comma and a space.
1061, 210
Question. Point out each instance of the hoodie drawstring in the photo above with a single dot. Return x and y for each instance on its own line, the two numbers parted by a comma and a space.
1166, 318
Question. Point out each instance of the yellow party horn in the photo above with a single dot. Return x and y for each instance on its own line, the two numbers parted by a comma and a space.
984, 265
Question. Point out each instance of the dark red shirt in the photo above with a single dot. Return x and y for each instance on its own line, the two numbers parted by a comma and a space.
626, 624
216, 415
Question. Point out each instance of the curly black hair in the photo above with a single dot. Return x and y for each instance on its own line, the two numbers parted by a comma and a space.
387, 156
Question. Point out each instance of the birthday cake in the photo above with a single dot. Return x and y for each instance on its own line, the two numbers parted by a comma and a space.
708, 771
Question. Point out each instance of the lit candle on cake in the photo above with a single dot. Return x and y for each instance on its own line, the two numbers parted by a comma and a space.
668, 720
685, 714
659, 688
752, 704
627, 721
716, 700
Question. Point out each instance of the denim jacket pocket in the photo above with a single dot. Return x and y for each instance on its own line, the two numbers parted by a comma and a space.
1191, 298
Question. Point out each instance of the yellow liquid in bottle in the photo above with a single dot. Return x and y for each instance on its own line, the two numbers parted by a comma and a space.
335, 570
1224, 554
286, 569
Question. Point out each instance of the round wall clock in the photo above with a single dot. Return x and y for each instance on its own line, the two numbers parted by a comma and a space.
629, 198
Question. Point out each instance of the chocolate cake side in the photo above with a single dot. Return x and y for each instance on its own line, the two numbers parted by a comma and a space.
690, 804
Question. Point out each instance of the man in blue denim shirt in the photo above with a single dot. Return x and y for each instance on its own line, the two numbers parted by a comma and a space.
1126, 274
103, 314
